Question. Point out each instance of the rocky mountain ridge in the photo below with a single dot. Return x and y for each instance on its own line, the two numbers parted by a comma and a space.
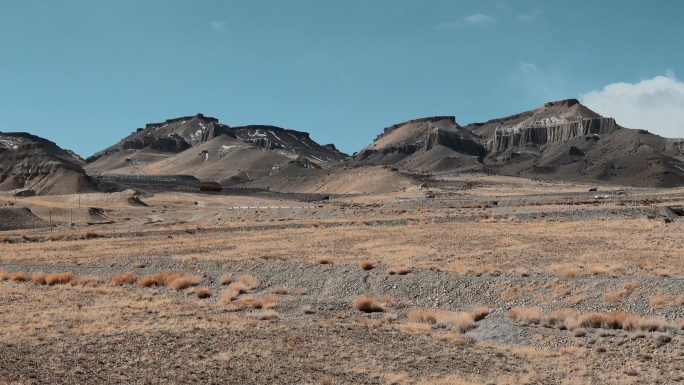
560, 140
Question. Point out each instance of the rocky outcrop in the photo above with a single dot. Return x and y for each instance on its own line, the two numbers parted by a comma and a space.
406, 149
392, 128
176, 120
506, 138
29, 162
173, 135
456, 141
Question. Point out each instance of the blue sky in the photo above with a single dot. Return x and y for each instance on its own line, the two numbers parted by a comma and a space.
85, 73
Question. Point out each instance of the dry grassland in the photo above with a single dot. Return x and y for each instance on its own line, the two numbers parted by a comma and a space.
357, 290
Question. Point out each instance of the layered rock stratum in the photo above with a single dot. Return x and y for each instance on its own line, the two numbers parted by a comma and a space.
559, 140
33, 165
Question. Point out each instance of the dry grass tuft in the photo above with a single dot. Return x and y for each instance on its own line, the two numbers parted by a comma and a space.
150, 280
3, 275
18, 276
138, 265
525, 315
203, 292
307, 309
570, 272
510, 294
266, 302
596, 270
658, 301
422, 315
244, 283
84, 281
323, 259
5, 239
398, 271
367, 304
281, 290
366, 265
91, 234
479, 313
460, 322
163, 279
59, 278
616, 295
229, 295
226, 279
120, 279
267, 315
38, 278
182, 283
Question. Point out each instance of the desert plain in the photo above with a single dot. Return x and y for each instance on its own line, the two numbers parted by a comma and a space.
459, 279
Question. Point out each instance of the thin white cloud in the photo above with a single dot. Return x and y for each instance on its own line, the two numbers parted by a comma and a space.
656, 105
218, 26
527, 66
479, 19
530, 15
475, 20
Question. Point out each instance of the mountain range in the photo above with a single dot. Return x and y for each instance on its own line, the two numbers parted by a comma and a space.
561, 140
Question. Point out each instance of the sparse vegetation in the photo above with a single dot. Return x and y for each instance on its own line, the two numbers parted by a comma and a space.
162, 279
18, 276
567, 319
366, 265
398, 271
203, 292
91, 234
244, 283
39, 278
280, 290
59, 278
367, 304
563, 278
266, 302
120, 279
226, 279
182, 283
525, 315
323, 259
228, 295
267, 315
658, 301
307, 309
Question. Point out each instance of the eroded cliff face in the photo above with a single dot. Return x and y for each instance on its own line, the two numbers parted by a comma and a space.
173, 135
506, 138
455, 141
421, 135
31, 162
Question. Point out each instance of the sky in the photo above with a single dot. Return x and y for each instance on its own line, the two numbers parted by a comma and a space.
86, 73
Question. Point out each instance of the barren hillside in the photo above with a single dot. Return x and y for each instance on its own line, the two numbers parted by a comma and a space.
38, 166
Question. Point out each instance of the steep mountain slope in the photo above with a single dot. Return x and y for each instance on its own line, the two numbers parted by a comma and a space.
561, 140
29, 162
433, 144
202, 147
